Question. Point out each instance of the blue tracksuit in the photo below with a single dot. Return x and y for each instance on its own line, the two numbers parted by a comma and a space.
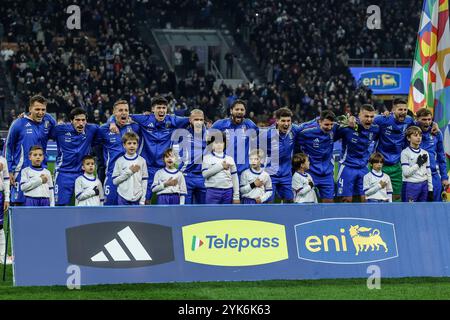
356, 150
192, 149
156, 136
279, 160
72, 147
434, 145
240, 140
318, 145
23, 134
112, 150
392, 137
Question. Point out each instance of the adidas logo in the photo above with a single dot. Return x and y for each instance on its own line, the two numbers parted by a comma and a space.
116, 251
151, 125
28, 124
68, 134
390, 128
196, 243
316, 140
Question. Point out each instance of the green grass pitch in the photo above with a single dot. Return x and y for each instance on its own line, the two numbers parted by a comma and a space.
352, 289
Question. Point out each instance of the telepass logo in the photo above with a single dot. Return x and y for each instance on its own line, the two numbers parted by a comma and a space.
234, 242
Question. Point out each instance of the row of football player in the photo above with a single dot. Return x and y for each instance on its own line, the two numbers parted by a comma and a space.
314, 138
221, 178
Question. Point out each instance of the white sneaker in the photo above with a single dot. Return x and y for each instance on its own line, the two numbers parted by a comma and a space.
9, 260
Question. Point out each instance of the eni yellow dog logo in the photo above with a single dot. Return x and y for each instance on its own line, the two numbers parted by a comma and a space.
363, 242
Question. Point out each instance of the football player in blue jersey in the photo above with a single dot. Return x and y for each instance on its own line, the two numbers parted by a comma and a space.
113, 146
74, 141
434, 145
30, 130
356, 146
392, 141
241, 134
192, 148
280, 145
316, 139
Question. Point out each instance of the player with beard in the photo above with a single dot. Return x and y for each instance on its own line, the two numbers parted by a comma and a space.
113, 146
74, 141
280, 146
434, 145
392, 141
156, 132
236, 127
26, 132
355, 154
317, 140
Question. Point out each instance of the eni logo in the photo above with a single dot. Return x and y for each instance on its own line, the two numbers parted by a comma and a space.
346, 240
362, 243
381, 80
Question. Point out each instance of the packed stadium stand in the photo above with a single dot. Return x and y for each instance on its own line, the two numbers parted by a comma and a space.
299, 53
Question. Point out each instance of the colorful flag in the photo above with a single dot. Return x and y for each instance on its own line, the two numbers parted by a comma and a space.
430, 78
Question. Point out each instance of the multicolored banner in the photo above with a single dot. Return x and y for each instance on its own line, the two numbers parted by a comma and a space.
430, 79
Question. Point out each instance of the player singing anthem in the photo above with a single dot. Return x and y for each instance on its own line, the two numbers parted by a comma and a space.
113, 146
31, 130
317, 140
356, 143
74, 141
237, 129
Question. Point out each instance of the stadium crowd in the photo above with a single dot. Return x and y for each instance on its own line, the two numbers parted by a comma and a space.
306, 66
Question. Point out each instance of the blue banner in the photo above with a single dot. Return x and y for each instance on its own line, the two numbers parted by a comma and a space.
152, 244
383, 80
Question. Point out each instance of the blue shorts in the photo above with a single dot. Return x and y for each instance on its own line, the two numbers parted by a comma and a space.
110, 191
196, 191
17, 195
350, 181
64, 187
37, 202
415, 192
173, 198
282, 186
219, 196
437, 187
325, 184
124, 202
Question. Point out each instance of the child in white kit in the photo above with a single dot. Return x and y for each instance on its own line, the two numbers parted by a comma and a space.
302, 182
377, 185
88, 188
130, 173
256, 185
169, 183
220, 173
416, 171
36, 182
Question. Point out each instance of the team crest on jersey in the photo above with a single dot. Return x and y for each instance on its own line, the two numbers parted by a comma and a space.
47, 124
168, 125
371, 136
